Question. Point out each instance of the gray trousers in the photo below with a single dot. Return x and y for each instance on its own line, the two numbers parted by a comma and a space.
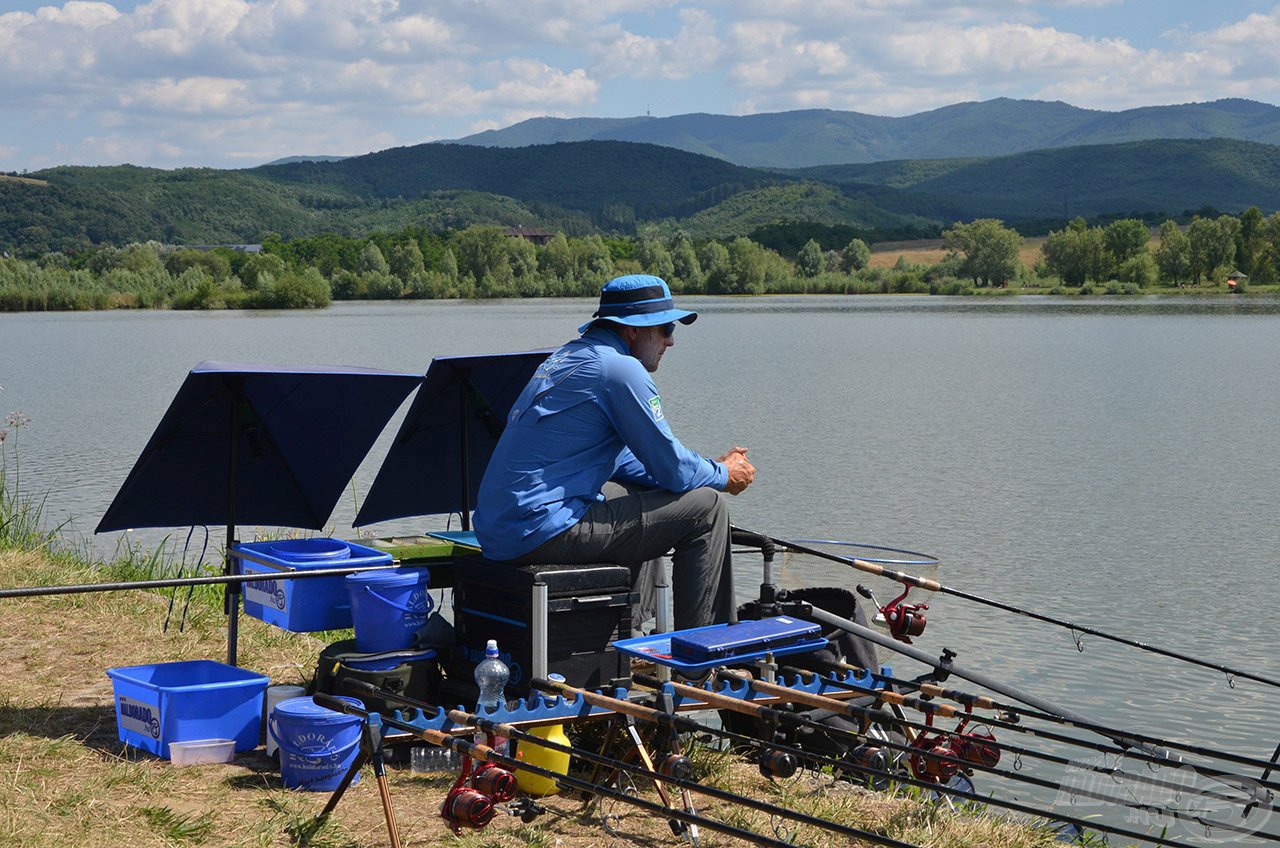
634, 527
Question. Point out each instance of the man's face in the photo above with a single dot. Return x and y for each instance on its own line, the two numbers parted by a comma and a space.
650, 343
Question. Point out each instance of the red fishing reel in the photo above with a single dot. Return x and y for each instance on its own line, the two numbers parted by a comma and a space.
471, 807
925, 760
464, 807
904, 620
494, 781
977, 746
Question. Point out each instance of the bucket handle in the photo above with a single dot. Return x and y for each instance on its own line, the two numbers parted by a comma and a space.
401, 607
285, 746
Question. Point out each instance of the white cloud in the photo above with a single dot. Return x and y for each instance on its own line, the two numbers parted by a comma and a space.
694, 49
196, 81
192, 96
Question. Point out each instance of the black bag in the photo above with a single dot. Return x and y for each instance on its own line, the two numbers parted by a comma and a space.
412, 672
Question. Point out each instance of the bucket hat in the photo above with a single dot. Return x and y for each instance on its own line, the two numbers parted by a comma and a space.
638, 300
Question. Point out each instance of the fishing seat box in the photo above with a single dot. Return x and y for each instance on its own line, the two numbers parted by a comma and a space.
560, 619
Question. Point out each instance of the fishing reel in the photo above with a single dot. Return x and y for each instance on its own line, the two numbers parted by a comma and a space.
926, 762
494, 781
464, 807
977, 746
904, 620
677, 766
870, 757
778, 764
471, 807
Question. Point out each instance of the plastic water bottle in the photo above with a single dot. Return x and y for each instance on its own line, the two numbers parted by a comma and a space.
491, 676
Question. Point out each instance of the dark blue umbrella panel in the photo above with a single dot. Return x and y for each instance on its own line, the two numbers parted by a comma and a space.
271, 445
435, 464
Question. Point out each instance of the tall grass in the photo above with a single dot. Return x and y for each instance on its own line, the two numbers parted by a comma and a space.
21, 513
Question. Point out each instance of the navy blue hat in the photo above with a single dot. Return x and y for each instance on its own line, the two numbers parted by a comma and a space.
638, 300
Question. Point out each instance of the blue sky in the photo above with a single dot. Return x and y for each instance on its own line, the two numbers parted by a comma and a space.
233, 83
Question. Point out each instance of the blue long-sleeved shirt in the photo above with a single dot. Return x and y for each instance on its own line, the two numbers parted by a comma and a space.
590, 414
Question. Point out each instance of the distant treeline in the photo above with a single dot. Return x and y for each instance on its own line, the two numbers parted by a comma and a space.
485, 262
476, 262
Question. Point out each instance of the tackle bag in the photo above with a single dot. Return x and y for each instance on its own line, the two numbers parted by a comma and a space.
412, 672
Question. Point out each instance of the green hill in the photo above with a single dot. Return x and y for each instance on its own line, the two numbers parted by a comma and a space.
826, 137
595, 186
588, 176
576, 187
1168, 176
794, 202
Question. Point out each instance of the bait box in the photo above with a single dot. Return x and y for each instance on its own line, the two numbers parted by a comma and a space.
201, 752
730, 641
657, 648
157, 705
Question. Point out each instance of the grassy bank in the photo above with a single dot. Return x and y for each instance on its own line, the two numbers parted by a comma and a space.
68, 780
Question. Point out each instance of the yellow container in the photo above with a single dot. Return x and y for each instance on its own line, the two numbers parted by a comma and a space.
536, 755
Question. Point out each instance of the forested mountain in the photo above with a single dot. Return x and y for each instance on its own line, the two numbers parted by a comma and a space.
1146, 176
620, 187
827, 137
590, 177
575, 187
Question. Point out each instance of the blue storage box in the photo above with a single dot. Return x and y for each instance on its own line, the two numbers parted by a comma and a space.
301, 606
185, 701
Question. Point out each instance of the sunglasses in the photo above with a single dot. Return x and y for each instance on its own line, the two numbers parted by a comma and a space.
669, 330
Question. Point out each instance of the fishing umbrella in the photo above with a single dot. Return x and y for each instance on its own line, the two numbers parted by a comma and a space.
435, 464
263, 444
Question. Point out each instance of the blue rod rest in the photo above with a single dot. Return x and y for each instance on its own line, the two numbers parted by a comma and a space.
816, 685
537, 707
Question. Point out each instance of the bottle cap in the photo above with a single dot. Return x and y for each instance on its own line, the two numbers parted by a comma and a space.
491, 649
558, 678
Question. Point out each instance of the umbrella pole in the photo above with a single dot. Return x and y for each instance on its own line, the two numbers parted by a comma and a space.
466, 450
231, 593
232, 600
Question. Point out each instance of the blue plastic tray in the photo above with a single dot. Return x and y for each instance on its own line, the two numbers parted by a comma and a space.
658, 649
465, 538
302, 606
185, 701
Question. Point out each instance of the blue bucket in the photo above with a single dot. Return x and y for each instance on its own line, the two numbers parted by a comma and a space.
310, 550
388, 608
317, 745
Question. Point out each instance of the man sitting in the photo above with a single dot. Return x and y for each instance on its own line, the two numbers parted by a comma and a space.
588, 470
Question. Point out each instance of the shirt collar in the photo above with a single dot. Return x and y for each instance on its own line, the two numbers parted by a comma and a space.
606, 335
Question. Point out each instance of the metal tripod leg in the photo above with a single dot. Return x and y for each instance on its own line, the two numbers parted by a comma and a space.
679, 828
370, 750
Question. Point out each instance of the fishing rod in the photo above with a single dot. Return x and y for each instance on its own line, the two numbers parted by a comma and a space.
486, 754
675, 722
871, 715
984, 702
509, 731
946, 765
209, 580
935, 586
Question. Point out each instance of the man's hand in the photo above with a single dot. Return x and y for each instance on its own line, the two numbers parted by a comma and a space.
741, 472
